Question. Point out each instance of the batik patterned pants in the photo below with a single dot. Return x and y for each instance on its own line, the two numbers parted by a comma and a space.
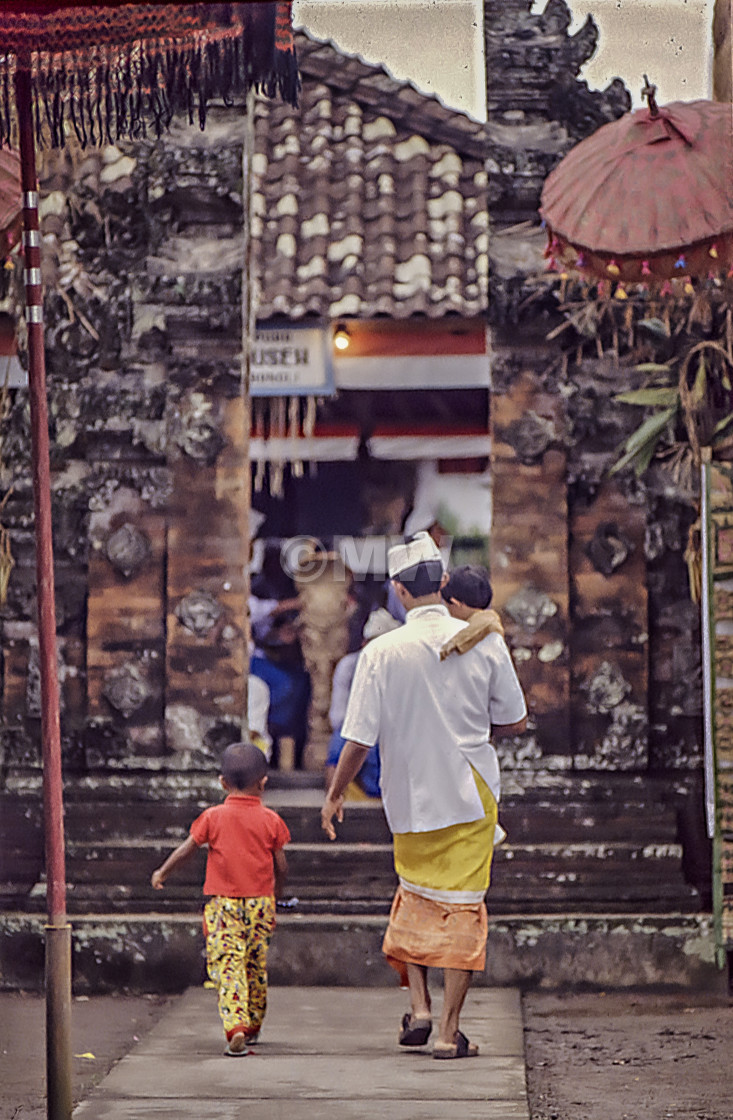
238, 933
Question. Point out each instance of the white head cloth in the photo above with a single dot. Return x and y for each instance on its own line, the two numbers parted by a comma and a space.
402, 557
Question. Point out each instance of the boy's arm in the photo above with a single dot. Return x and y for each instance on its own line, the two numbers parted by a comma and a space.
281, 870
181, 855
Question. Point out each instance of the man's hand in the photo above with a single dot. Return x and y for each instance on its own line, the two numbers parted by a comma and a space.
349, 764
157, 881
332, 807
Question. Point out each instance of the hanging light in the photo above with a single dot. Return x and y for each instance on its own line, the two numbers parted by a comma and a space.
341, 337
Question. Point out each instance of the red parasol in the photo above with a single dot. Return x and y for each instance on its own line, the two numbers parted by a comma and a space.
106, 70
647, 197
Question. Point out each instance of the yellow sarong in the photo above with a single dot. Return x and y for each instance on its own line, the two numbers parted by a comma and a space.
437, 932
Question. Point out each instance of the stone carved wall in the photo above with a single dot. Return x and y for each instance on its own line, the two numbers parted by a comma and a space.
612, 668
147, 436
146, 421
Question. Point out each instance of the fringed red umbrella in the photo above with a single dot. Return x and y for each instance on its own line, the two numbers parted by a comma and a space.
646, 198
117, 69
105, 70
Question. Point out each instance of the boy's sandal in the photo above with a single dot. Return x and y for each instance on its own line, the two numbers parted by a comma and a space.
414, 1032
237, 1047
461, 1048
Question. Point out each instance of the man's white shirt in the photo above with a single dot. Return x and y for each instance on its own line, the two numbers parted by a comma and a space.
432, 718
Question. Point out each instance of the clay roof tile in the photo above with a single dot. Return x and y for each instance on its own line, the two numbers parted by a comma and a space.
369, 199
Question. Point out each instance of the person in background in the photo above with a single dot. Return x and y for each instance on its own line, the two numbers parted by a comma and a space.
272, 591
366, 783
278, 661
258, 712
277, 658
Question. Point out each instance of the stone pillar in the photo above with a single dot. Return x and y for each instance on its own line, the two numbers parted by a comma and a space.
126, 630
196, 302
721, 620
529, 561
610, 639
206, 653
538, 108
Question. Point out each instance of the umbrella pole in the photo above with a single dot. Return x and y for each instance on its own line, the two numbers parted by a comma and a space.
247, 335
58, 930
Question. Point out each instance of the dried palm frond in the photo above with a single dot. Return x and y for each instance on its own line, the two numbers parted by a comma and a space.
7, 563
693, 559
705, 391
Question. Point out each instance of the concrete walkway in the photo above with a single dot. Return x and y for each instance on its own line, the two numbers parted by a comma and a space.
325, 1053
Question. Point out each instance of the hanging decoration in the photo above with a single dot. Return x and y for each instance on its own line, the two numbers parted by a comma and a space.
118, 70
11, 206
280, 425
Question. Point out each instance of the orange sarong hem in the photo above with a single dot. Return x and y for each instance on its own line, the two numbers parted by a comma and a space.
435, 934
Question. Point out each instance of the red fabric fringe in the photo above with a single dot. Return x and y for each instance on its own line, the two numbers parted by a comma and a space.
117, 71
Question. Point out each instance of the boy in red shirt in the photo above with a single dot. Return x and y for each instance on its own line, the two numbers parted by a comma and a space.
245, 871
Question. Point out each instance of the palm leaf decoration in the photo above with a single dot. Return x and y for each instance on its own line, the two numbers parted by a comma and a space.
696, 391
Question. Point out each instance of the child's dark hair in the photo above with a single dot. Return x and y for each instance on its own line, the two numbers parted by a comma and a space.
469, 585
242, 765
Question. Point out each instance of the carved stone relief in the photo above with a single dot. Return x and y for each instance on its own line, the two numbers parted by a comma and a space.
606, 689
609, 548
126, 689
199, 612
530, 437
531, 608
128, 550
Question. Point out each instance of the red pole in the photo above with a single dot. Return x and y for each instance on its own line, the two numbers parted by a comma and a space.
58, 931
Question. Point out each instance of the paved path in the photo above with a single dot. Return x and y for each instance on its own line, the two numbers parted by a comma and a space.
325, 1053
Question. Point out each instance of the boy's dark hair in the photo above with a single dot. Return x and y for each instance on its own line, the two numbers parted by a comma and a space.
469, 585
422, 579
242, 765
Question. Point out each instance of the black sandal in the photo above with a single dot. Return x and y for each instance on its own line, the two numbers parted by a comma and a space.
414, 1032
461, 1048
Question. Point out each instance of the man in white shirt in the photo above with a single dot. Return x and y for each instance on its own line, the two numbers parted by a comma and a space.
440, 784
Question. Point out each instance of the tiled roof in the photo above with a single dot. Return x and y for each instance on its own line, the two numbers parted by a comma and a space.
370, 199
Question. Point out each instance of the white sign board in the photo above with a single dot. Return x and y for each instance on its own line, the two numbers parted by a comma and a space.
288, 361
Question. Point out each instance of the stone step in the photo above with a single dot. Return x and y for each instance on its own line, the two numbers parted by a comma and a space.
540, 820
170, 786
540, 823
333, 876
326, 861
164, 952
574, 840
21, 847
83, 899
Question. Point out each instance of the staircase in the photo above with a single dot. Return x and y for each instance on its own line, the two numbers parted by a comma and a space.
595, 884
